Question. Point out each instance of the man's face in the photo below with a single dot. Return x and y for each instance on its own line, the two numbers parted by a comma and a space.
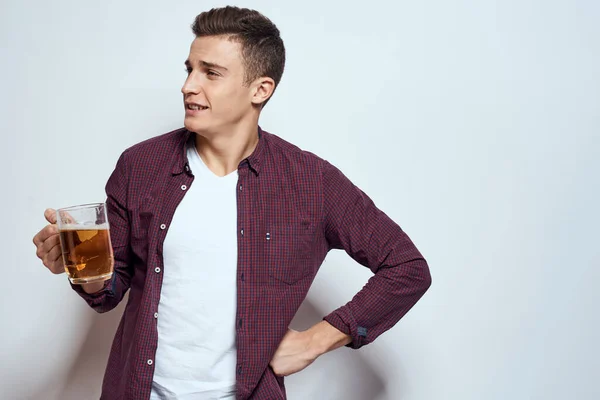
214, 93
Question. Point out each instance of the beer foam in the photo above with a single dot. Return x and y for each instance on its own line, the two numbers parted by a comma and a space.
82, 227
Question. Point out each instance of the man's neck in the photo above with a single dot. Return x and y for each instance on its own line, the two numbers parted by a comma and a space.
223, 152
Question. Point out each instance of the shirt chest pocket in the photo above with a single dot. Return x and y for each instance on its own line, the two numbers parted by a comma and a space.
289, 252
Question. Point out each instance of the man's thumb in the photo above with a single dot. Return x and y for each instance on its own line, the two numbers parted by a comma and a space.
50, 215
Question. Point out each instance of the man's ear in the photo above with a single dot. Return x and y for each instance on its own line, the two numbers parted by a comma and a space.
262, 89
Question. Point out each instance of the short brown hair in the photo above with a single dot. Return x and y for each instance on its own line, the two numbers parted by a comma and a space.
263, 52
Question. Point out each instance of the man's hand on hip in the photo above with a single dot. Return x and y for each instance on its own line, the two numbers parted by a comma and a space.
298, 350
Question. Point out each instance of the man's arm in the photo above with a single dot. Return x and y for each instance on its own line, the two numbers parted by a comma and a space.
105, 296
369, 236
401, 276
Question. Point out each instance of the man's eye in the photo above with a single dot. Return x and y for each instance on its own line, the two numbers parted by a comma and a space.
212, 73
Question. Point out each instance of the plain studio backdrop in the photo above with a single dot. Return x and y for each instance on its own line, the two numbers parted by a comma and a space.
474, 124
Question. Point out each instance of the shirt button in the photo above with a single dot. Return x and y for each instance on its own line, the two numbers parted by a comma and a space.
241, 188
242, 277
183, 187
240, 323
155, 315
163, 226
157, 270
239, 371
149, 362
242, 232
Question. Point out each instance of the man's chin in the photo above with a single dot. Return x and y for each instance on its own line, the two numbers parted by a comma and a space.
194, 126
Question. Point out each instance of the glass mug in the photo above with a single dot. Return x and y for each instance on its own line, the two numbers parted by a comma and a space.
85, 243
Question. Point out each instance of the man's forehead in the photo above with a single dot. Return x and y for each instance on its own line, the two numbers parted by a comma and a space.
215, 49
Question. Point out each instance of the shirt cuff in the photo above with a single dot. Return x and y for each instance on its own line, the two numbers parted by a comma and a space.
342, 320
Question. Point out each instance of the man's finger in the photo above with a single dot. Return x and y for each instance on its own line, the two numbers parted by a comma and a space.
50, 215
48, 264
51, 242
37, 238
54, 261
44, 234
39, 252
55, 253
54, 265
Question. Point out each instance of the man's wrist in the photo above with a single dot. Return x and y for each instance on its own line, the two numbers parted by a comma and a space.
325, 338
92, 288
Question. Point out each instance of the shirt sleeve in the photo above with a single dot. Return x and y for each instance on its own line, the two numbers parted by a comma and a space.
401, 275
118, 219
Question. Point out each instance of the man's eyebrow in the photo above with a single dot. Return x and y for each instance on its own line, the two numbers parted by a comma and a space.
206, 64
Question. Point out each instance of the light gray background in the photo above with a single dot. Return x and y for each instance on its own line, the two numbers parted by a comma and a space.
473, 124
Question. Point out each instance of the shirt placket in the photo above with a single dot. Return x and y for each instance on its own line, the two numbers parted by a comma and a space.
243, 247
178, 187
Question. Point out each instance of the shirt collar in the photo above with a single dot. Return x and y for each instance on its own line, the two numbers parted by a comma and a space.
254, 160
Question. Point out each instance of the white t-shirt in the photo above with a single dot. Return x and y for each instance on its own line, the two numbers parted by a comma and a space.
196, 354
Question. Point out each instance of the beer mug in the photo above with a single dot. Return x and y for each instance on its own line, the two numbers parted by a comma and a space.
85, 243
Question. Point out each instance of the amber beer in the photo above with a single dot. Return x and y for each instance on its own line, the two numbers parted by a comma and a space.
87, 253
85, 243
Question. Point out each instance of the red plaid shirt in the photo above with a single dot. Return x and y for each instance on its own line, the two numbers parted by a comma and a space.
292, 208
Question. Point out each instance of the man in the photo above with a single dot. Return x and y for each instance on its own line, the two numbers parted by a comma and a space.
218, 230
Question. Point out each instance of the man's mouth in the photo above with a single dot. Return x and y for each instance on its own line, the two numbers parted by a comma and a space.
195, 107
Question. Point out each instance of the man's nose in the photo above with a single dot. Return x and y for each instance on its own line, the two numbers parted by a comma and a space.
191, 86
